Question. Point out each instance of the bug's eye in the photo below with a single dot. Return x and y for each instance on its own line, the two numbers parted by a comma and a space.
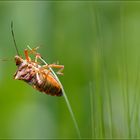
17, 63
18, 60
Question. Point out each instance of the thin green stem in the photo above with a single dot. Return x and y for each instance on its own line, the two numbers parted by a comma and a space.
104, 67
135, 104
91, 107
125, 70
100, 43
65, 97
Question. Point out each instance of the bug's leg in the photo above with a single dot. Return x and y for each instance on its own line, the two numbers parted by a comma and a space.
27, 55
48, 73
36, 52
42, 70
32, 50
38, 78
61, 67
37, 55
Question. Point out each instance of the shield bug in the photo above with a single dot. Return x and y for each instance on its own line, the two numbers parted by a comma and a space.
40, 77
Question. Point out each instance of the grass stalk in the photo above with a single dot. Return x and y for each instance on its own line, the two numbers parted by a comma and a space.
135, 96
65, 97
125, 72
104, 67
100, 43
92, 114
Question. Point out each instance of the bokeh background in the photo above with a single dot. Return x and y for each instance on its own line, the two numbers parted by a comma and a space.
99, 45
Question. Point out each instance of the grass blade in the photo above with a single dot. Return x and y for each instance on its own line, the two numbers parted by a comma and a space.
65, 97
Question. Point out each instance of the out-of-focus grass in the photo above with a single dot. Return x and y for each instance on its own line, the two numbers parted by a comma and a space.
114, 106
98, 43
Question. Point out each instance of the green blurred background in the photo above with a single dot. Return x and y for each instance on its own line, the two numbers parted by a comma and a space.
99, 45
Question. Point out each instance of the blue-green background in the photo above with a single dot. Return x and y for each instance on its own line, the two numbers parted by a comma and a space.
99, 45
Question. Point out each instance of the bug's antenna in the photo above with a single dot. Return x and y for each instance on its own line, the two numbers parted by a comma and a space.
14, 38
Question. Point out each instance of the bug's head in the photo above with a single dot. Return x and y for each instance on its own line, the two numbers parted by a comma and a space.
18, 60
22, 71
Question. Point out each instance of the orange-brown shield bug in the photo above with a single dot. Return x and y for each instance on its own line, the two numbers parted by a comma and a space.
38, 76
